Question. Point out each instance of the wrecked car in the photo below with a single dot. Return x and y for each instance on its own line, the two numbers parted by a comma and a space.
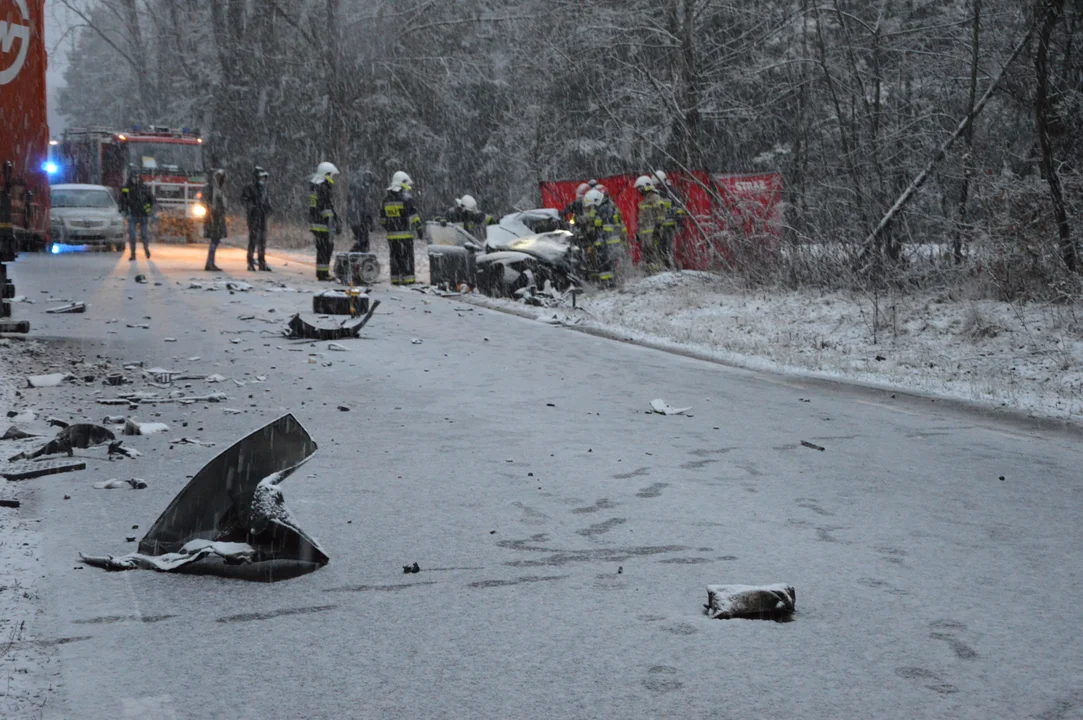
525, 249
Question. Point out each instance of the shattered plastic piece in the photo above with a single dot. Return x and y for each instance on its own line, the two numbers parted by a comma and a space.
134, 427
813, 446
300, 328
232, 508
40, 468
81, 435
112, 401
238, 286
14, 433
337, 347
117, 448
43, 381
170, 340
764, 602
194, 441
660, 407
142, 279
232, 411
226, 485
416, 341
139, 326
75, 307
10, 503
114, 379
216, 378
408, 569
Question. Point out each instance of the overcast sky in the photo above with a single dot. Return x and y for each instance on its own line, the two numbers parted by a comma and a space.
58, 25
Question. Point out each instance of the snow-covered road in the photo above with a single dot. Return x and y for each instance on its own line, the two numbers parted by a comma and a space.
565, 536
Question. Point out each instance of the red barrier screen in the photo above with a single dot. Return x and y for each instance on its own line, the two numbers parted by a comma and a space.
722, 209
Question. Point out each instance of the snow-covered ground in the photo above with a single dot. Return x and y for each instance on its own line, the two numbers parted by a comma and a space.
1022, 357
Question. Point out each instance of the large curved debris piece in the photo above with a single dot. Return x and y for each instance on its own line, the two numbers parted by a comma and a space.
232, 508
217, 502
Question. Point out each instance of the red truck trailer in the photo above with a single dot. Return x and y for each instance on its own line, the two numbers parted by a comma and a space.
24, 139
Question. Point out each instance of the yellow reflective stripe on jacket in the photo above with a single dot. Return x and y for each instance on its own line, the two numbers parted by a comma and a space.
316, 227
400, 236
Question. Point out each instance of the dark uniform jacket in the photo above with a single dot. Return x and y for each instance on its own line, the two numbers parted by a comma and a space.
322, 217
399, 216
257, 203
136, 199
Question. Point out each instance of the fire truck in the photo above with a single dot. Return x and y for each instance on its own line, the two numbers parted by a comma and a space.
24, 140
170, 162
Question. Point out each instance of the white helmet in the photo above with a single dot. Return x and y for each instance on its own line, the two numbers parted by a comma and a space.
467, 202
401, 180
325, 168
644, 184
581, 191
593, 198
661, 177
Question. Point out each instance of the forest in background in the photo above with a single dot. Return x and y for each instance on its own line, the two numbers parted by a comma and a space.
850, 100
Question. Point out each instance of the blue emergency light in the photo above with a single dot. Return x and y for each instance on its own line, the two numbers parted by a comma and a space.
50, 167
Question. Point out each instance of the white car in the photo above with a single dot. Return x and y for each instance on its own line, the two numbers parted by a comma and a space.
85, 215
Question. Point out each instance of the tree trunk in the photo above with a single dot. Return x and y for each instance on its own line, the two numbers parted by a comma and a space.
1047, 14
968, 137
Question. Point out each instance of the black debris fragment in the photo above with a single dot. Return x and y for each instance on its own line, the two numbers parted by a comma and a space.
30, 470
812, 446
81, 435
301, 329
10, 503
14, 433
142, 279
75, 307
408, 569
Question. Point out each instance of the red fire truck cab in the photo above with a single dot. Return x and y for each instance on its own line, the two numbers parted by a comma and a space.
169, 161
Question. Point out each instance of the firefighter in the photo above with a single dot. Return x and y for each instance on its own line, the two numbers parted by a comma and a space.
214, 223
596, 249
652, 215
322, 217
466, 213
675, 216
402, 221
359, 212
257, 203
137, 202
614, 233
574, 209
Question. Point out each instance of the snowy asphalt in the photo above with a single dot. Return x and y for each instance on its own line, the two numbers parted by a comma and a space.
515, 462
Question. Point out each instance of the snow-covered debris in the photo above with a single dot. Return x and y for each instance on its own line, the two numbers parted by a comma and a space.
134, 427
44, 381
659, 406
216, 378
766, 602
114, 484
75, 307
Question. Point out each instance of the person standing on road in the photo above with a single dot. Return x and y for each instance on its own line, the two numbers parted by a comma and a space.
652, 215
676, 214
214, 225
402, 221
137, 202
257, 203
359, 212
322, 217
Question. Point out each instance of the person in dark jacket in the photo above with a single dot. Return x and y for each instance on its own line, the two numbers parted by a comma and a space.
137, 202
257, 204
359, 212
214, 224
322, 218
402, 221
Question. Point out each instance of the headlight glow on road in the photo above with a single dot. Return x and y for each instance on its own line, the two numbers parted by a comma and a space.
199, 210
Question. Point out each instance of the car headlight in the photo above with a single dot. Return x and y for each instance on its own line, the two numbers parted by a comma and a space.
199, 210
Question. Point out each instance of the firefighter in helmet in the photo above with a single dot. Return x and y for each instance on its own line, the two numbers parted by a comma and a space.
614, 234
466, 213
322, 218
652, 216
676, 214
401, 220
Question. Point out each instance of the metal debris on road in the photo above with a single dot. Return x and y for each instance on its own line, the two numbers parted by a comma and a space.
14, 433
75, 308
138, 326
659, 406
232, 508
40, 468
764, 602
812, 446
